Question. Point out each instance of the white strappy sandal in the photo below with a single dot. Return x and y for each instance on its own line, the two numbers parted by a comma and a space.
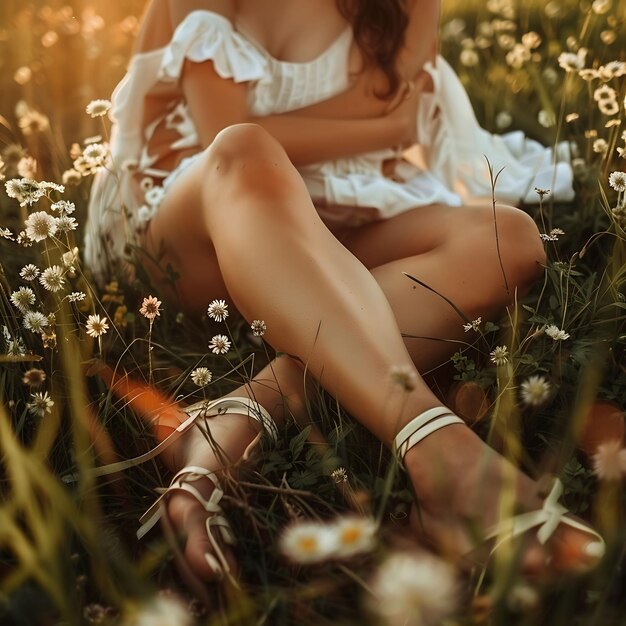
184, 479
546, 519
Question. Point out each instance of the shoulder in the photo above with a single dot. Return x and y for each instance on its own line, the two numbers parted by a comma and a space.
162, 17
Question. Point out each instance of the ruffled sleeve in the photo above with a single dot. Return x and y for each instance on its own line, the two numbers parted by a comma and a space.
205, 35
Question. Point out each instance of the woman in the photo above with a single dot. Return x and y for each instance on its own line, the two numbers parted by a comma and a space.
318, 252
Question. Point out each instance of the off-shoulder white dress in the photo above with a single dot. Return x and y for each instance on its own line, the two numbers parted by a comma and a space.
348, 191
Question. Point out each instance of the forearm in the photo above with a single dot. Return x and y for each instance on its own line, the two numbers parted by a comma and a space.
311, 140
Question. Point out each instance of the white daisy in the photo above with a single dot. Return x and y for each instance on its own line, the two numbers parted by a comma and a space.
571, 62
617, 180
52, 278
354, 535
35, 321
29, 272
96, 326
307, 542
535, 391
201, 376
40, 225
604, 92
40, 404
218, 310
24, 190
219, 344
555, 333
23, 298
98, 108
65, 223
150, 308
258, 328
608, 107
500, 355
414, 590
609, 461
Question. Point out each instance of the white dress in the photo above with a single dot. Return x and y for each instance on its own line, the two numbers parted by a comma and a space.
348, 191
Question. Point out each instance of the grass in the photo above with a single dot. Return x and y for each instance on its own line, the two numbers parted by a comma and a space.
67, 549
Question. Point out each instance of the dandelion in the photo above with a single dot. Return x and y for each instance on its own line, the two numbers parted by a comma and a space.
201, 376
219, 344
354, 535
96, 326
555, 333
414, 590
500, 355
404, 376
609, 461
258, 328
76, 296
40, 225
23, 298
40, 404
535, 391
307, 542
35, 321
162, 611
339, 475
617, 180
98, 108
473, 325
150, 308
52, 278
29, 272
34, 377
218, 310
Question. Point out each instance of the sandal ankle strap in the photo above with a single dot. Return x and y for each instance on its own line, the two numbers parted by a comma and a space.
203, 409
420, 427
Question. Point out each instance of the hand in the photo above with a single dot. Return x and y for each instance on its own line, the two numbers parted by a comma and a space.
402, 110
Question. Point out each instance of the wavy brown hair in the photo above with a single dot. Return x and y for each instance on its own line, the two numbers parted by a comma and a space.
379, 27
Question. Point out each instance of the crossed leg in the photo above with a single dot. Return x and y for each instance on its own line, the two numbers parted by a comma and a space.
239, 224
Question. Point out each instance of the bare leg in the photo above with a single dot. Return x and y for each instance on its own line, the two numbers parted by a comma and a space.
248, 219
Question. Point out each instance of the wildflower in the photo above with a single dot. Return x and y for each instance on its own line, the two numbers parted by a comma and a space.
70, 258
40, 404
95, 154
201, 376
98, 108
608, 37
404, 376
414, 590
613, 69
218, 310
150, 308
29, 272
531, 39
571, 62
588, 74
339, 475
25, 190
541, 192
63, 207
40, 225
546, 118
469, 58
518, 55
555, 333
535, 391
553, 235
13, 347
503, 120
608, 107
34, 377
120, 318
354, 535
571, 117
27, 167
95, 613
307, 542
500, 355
146, 184
600, 7
609, 461
474, 325
219, 344
154, 196
600, 146
96, 326
617, 180
162, 611
33, 122
35, 321
49, 339
71, 177
23, 298
48, 185
604, 93
76, 296
52, 278
5, 233
258, 328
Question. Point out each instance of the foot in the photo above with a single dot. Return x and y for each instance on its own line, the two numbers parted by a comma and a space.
461, 494
185, 514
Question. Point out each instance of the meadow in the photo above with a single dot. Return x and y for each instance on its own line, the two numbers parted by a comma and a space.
545, 384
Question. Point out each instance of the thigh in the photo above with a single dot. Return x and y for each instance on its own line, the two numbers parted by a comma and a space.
177, 240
